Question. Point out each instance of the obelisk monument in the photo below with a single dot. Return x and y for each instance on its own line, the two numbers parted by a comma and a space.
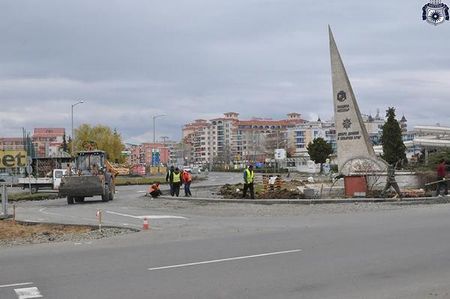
354, 149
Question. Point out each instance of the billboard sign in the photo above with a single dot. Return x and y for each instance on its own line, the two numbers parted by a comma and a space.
13, 159
155, 157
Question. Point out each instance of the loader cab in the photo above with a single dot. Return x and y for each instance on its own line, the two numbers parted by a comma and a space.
90, 162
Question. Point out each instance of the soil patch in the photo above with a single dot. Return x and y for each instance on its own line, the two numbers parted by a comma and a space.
18, 233
235, 191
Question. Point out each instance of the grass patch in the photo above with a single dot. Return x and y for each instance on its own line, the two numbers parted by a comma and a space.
34, 196
121, 180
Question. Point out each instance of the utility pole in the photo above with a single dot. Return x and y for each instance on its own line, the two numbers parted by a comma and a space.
164, 138
73, 137
154, 125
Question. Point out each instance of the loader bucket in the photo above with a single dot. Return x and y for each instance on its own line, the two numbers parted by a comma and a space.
81, 186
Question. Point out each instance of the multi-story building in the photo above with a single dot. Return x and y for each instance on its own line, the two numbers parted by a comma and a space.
12, 143
48, 141
142, 154
228, 140
301, 135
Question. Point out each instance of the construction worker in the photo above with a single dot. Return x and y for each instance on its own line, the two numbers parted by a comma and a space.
187, 179
175, 179
249, 177
94, 169
441, 176
391, 182
68, 169
154, 190
171, 170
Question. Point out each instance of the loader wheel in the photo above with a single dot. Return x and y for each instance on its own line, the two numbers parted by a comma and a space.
70, 200
79, 199
105, 196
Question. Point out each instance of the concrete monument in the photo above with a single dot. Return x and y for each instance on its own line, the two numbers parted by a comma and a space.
355, 152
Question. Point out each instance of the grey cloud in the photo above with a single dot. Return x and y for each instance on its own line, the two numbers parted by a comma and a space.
197, 59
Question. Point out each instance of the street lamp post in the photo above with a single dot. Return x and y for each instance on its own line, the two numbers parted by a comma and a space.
154, 130
154, 126
73, 137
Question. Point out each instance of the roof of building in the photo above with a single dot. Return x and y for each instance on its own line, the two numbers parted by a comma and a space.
283, 122
11, 139
48, 132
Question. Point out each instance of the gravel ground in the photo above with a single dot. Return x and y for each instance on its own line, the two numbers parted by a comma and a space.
47, 237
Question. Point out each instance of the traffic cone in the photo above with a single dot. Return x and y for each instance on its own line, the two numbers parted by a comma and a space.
145, 226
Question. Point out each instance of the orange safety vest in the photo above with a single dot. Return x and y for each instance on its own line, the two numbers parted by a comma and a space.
152, 188
187, 177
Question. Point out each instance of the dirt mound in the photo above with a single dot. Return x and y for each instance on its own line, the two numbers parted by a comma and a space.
235, 191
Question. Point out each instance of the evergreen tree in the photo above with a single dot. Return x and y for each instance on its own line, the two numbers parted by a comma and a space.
319, 151
391, 139
64, 144
69, 145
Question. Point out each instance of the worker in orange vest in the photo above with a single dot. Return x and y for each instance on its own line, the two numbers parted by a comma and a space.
187, 179
154, 190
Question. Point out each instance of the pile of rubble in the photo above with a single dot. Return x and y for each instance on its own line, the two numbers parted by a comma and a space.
273, 189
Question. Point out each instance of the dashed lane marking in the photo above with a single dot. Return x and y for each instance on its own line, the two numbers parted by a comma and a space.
224, 260
147, 216
15, 284
28, 293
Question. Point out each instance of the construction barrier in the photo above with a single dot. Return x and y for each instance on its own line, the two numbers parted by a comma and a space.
272, 182
145, 225
4, 200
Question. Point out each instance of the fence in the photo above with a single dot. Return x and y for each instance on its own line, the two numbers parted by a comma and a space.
4, 201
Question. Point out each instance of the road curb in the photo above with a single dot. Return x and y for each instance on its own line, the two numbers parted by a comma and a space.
412, 200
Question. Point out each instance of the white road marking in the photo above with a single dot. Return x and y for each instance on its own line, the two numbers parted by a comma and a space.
15, 284
225, 260
147, 216
28, 293
141, 191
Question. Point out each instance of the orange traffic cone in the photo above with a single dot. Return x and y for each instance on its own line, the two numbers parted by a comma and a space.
145, 226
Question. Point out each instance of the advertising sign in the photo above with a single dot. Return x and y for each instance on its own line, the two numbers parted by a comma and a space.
155, 157
280, 154
12, 159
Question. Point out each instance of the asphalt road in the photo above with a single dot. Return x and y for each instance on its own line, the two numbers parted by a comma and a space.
237, 251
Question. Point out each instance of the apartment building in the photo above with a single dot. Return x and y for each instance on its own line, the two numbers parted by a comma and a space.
228, 139
47, 141
148, 154
301, 135
12, 144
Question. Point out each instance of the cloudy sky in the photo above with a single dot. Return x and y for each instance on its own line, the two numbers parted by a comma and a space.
188, 59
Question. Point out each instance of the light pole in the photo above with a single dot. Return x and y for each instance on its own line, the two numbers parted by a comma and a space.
154, 126
154, 134
73, 137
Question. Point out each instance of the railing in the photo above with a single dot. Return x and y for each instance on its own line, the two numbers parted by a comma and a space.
4, 200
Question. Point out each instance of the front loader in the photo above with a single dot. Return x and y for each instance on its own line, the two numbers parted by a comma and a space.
92, 175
